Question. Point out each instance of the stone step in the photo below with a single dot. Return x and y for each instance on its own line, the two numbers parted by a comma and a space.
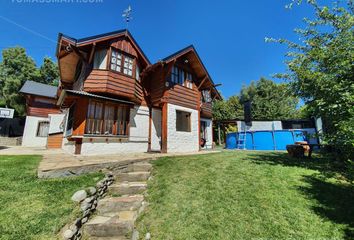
116, 204
116, 226
133, 176
128, 188
140, 167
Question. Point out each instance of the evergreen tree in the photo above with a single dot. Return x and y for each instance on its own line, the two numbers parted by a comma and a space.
49, 72
16, 67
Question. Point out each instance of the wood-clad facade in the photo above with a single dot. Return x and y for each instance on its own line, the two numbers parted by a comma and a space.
115, 100
40, 106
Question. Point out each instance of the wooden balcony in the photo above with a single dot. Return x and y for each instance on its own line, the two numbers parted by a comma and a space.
206, 110
112, 83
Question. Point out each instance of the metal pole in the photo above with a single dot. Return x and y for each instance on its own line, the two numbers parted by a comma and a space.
219, 137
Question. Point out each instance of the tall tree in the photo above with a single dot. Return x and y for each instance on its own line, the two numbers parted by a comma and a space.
16, 67
49, 72
269, 100
230, 109
321, 70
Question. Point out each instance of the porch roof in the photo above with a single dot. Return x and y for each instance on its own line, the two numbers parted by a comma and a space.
66, 92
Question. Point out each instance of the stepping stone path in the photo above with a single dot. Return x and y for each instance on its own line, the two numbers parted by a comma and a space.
116, 213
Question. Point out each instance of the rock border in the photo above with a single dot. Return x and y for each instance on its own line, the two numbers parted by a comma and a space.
88, 199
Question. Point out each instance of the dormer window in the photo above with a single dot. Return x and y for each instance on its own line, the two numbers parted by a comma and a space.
100, 59
117, 60
128, 66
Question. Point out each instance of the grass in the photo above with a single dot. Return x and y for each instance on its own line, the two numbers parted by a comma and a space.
32, 208
248, 195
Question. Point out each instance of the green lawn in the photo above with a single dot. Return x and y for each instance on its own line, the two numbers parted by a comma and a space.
248, 195
32, 208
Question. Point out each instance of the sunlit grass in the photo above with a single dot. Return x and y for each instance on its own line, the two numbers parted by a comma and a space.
32, 208
246, 195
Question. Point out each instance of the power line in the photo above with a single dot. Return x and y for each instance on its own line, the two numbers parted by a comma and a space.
27, 29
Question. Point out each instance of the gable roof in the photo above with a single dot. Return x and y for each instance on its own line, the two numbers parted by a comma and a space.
101, 37
186, 50
39, 89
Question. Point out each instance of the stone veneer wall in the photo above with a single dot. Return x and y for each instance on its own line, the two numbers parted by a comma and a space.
182, 141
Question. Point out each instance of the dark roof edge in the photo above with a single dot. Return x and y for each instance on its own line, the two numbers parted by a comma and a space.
178, 52
82, 40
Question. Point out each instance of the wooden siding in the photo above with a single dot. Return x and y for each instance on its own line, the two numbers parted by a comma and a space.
40, 106
206, 110
124, 45
104, 81
157, 89
183, 96
80, 116
55, 140
41, 111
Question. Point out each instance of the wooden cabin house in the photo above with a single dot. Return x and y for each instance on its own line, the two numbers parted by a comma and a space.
115, 101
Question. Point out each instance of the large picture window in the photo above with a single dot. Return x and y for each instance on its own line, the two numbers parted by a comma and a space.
117, 59
183, 121
107, 119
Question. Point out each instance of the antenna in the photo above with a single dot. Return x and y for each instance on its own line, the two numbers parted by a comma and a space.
127, 15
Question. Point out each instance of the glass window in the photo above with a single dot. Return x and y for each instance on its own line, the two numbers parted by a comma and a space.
183, 121
122, 120
100, 59
179, 76
107, 119
189, 80
137, 73
43, 129
116, 61
128, 66
174, 74
206, 96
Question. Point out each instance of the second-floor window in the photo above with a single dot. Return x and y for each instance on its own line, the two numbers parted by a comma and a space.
100, 59
206, 96
116, 61
128, 66
181, 77
122, 63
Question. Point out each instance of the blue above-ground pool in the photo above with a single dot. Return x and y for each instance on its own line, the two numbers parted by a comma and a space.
282, 138
263, 140
266, 140
231, 139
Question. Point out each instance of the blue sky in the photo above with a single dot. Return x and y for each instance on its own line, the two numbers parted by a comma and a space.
228, 35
